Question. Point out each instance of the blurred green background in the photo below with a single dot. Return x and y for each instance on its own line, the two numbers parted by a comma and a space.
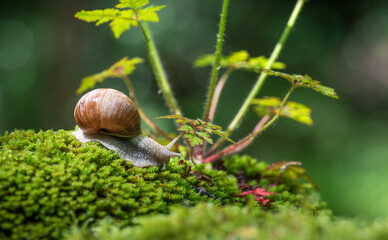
45, 51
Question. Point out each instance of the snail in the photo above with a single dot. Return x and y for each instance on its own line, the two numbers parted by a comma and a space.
111, 118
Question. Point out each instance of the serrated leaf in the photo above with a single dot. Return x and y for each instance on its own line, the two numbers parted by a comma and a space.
125, 15
205, 136
98, 16
132, 4
149, 14
186, 128
213, 126
238, 56
304, 81
293, 110
224, 135
205, 60
202, 129
123, 67
120, 25
193, 139
238, 60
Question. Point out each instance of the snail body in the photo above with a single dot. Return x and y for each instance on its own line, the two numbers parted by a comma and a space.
111, 118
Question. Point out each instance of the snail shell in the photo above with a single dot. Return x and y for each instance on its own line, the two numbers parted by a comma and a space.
111, 118
107, 111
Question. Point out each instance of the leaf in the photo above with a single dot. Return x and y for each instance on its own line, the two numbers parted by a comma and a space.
304, 81
238, 60
132, 4
194, 140
237, 56
224, 135
121, 68
99, 16
125, 15
205, 136
149, 14
197, 129
186, 128
293, 110
291, 170
206, 60
259, 194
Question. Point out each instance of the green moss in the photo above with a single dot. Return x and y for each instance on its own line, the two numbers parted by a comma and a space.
207, 221
287, 180
249, 165
49, 181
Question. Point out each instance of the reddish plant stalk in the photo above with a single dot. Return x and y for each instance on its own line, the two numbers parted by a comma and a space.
243, 143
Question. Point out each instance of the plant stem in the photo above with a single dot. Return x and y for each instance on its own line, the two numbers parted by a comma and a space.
260, 81
217, 93
158, 70
237, 146
258, 129
142, 114
191, 156
216, 66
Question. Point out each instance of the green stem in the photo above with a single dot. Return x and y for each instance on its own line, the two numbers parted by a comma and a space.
158, 70
191, 156
262, 77
277, 114
216, 66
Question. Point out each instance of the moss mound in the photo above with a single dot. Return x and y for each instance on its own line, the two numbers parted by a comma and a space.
207, 221
50, 181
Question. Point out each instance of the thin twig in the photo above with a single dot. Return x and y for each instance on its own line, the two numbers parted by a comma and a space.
238, 146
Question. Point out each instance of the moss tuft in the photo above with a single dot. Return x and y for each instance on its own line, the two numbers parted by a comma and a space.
49, 181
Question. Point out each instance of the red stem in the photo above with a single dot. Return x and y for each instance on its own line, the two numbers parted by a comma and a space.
243, 143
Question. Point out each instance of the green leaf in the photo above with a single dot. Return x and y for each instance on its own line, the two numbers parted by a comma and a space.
125, 15
119, 69
202, 130
293, 110
224, 135
132, 4
99, 16
205, 136
149, 14
304, 81
237, 56
120, 25
204, 61
238, 61
186, 128
193, 139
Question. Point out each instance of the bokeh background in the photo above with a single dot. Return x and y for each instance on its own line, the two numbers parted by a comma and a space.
45, 51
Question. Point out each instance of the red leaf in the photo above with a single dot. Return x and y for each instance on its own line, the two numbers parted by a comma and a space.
259, 193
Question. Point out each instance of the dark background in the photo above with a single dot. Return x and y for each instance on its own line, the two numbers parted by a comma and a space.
45, 52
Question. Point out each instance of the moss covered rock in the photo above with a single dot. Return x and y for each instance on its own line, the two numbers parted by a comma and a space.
50, 181
208, 221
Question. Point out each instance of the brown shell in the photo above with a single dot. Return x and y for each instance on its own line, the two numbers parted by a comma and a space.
107, 111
